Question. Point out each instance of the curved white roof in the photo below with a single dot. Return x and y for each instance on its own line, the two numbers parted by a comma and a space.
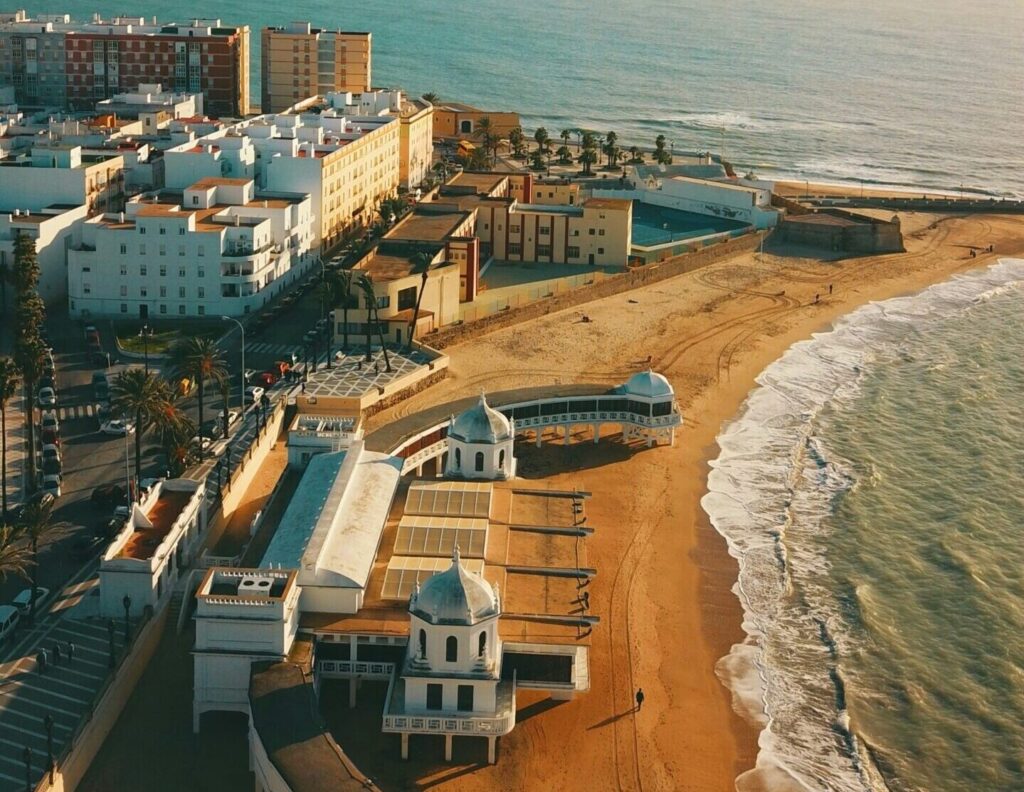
455, 596
649, 384
481, 423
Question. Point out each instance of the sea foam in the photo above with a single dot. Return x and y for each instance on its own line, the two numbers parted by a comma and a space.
772, 469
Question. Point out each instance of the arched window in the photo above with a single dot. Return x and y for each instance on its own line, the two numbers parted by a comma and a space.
479, 461
451, 649
423, 644
458, 459
501, 459
483, 644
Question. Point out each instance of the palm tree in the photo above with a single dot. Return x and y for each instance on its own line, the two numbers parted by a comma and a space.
488, 138
140, 394
14, 554
565, 135
662, 157
659, 144
635, 155
175, 429
537, 159
564, 155
542, 138
340, 284
609, 146
225, 392
370, 297
28, 356
38, 529
588, 156
431, 97
8, 387
200, 359
421, 261
515, 140
478, 160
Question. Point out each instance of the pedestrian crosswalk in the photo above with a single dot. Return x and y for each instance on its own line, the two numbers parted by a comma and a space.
78, 411
277, 350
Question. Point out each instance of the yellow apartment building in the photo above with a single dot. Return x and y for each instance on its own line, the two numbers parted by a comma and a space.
299, 61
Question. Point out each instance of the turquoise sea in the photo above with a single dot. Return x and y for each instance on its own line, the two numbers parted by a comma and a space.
921, 93
871, 490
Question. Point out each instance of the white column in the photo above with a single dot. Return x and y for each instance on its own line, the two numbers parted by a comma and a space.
597, 433
447, 747
353, 684
539, 432
567, 428
491, 742
405, 745
419, 470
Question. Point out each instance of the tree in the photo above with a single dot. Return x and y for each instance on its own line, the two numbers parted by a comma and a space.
431, 97
516, 140
14, 553
488, 138
588, 156
635, 155
366, 285
175, 429
200, 359
37, 528
26, 264
659, 146
537, 159
9, 380
610, 149
28, 356
542, 138
662, 157
340, 284
225, 392
29, 316
564, 155
565, 135
141, 395
478, 160
421, 261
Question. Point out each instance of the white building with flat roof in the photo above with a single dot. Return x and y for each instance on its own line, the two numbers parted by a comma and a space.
152, 98
53, 229
347, 164
59, 173
214, 248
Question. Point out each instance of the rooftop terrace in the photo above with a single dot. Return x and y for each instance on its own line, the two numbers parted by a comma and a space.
162, 516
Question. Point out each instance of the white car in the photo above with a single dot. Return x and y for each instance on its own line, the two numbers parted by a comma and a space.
51, 484
147, 484
253, 394
232, 416
24, 600
118, 427
47, 397
9, 618
49, 420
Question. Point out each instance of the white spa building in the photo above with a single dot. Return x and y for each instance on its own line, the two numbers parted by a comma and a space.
415, 583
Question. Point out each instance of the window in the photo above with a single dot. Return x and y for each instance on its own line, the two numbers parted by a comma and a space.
575, 232
181, 271
572, 252
545, 232
513, 229
423, 644
201, 292
202, 272
501, 463
124, 269
458, 459
181, 231
181, 292
482, 645
515, 249
600, 251
590, 231
465, 127
479, 462
163, 249
124, 249
163, 270
163, 231
202, 251
181, 310
181, 250
124, 291
142, 229
451, 646
407, 298
435, 696
600, 232
163, 308
142, 250
543, 250
202, 310
86, 288
465, 702
124, 307
163, 291
143, 292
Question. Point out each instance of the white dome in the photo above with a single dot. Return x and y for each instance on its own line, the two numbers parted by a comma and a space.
649, 385
481, 423
455, 596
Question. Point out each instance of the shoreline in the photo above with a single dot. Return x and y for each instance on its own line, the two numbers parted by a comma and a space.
712, 332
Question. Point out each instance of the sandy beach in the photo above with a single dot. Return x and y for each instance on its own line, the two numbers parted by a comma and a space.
664, 580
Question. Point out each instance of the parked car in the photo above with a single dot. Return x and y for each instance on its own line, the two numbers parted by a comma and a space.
108, 496
51, 484
232, 417
100, 386
47, 398
50, 451
52, 467
147, 484
108, 528
118, 427
210, 430
24, 600
48, 420
267, 378
50, 436
254, 394
249, 374
85, 547
9, 618
47, 382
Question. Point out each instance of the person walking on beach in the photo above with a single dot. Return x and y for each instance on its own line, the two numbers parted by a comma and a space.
56, 653
71, 651
639, 699
830, 288
41, 661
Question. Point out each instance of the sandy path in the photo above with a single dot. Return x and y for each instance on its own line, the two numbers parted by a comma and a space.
664, 577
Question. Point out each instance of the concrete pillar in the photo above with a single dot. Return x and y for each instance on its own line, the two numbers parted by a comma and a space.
447, 747
353, 685
567, 430
597, 433
491, 743
539, 432
405, 745
419, 470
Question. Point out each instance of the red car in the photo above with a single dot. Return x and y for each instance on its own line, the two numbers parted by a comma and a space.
267, 378
51, 437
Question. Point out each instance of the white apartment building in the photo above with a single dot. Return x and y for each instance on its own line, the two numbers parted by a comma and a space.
53, 230
215, 248
347, 164
152, 99
61, 174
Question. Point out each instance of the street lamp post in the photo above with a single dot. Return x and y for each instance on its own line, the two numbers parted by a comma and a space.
241, 329
144, 333
127, 602
48, 725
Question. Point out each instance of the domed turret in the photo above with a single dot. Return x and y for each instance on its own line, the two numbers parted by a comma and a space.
481, 423
649, 385
455, 596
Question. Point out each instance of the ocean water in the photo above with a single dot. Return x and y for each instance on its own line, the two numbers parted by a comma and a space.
872, 489
918, 93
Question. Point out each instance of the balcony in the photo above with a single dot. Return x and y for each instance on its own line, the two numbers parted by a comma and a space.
241, 251
398, 719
